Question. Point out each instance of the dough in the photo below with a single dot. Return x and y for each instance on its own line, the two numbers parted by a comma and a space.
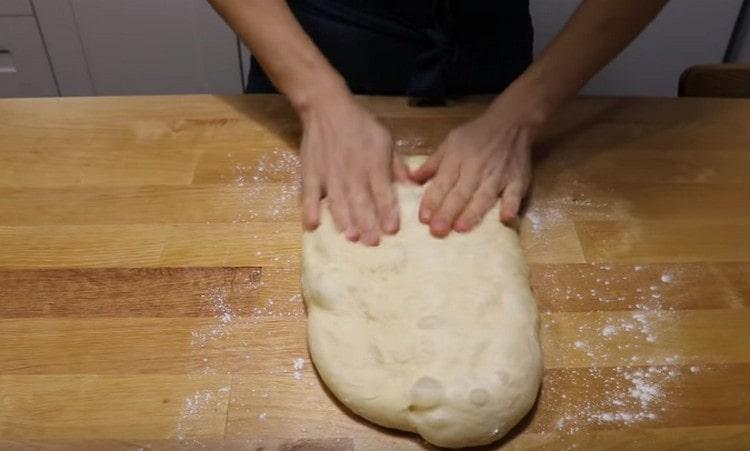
434, 336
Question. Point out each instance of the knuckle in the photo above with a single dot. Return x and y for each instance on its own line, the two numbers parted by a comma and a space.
338, 216
485, 196
363, 212
380, 188
380, 137
513, 190
471, 216
339, 208
359, 198
383, 206
431, 199
452, 137
462, 193
438, 187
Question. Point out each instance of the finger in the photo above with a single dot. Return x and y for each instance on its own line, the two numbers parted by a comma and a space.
515, 190
311, 193
455, 201
362, 210
399, 169
429, 168
385, 202
482, 201
339, 208
436, 191
511, 200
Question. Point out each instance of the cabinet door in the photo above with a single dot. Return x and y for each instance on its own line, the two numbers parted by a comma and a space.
24, 68
142, 46
687, 32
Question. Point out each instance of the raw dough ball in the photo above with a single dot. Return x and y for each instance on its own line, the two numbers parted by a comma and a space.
433, 336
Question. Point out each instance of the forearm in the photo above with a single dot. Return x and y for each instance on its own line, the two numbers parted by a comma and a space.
595, 34
289, 57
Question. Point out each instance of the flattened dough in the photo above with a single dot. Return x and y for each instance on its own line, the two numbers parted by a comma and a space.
433, 336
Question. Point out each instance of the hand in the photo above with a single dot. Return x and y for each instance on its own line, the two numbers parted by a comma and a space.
486, 158
347, 156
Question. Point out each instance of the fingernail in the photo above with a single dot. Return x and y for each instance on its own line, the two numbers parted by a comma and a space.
370, 238
309, 224
463, 225
439, 228
508, 219
440, 224
425, 215
351, 234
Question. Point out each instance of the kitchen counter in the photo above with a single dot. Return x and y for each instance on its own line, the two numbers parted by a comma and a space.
149, 275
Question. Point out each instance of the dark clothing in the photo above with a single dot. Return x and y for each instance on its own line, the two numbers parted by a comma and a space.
422, 48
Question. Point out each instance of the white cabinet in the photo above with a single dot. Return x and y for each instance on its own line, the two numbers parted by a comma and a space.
687, 32
115, 47
24, 67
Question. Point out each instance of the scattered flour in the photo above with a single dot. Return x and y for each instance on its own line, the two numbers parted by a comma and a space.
410, 143
639, 391
194, 410
276, 174
543, 218
217, 298
298, 363
609, 330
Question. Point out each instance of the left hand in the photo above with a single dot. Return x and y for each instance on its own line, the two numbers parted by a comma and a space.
483, 159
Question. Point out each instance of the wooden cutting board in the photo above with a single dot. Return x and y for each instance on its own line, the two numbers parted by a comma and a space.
149, 275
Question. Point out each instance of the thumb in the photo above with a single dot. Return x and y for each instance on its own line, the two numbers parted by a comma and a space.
428, 169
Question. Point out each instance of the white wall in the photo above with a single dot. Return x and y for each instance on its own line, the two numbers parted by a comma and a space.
687, 32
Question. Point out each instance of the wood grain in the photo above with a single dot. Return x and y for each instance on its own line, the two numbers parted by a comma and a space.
151, 407
227, 343
126, 293
720, 438
716, 80
81, 246
274, 244
150, 275
600, 287
150, 205
563, 396
662, 241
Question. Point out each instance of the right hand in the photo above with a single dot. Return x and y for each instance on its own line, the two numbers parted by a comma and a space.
348, 158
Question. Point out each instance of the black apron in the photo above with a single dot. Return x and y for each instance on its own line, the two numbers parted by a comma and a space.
428, 49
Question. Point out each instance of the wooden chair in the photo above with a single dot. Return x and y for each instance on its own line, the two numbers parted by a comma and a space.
716, 80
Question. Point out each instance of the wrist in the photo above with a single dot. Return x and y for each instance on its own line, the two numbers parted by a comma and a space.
318, 93
532, 101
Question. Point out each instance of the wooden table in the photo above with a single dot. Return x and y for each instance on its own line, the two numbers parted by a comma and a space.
149, 281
